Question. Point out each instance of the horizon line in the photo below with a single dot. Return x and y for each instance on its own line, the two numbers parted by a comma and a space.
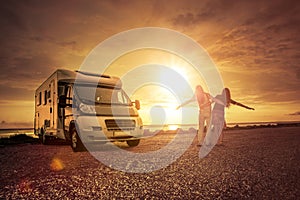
149, 125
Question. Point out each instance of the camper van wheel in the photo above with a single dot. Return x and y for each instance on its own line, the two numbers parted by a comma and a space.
76, 143
44, 138
133, 143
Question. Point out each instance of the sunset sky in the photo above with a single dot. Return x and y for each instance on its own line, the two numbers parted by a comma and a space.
254, 44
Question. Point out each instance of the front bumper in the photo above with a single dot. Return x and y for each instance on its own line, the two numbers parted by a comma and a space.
92, 129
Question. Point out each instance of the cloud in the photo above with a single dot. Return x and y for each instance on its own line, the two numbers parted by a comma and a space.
295, 113
25, 72
255, 44
206, 12
260, 51
41, 37
10, 18
12, 93
219, 13
186, 19
48, 39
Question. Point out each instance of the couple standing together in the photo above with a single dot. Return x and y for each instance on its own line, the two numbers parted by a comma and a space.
214, 118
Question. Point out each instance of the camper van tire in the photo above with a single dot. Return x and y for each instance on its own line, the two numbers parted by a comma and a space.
44, 138
133, 143
76, 142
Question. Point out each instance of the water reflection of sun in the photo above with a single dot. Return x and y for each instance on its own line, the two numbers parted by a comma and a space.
173, 127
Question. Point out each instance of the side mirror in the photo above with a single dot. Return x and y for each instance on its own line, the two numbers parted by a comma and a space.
62, 101
137, 104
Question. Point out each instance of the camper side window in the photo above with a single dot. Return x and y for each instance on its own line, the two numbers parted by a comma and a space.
45, 97
39, 99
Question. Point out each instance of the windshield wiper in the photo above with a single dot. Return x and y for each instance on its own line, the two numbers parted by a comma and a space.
88, 101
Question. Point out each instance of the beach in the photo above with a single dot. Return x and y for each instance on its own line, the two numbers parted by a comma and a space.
258, 163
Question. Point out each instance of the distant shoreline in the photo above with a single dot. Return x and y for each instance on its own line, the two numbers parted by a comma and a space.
230, 126
13, 129
10, 132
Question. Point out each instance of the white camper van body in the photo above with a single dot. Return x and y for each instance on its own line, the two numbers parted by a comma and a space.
64, 109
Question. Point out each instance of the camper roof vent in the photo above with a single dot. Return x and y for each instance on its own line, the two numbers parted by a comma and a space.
93, 74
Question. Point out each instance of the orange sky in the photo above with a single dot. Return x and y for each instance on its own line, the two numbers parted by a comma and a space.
254, 44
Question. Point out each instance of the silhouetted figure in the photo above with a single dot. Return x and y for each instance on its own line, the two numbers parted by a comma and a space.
204, 102
214, 133
218, 119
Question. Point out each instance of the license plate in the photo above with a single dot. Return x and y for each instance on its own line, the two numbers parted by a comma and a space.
121, 133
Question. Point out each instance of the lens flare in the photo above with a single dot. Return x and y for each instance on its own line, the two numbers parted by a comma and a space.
57, 164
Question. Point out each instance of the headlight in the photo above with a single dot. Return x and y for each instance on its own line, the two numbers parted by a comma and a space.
89, 109
132, 123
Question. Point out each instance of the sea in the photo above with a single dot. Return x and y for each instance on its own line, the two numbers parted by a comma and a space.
6, 133
195, 126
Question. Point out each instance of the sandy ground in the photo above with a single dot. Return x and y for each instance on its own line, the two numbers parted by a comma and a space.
261, 163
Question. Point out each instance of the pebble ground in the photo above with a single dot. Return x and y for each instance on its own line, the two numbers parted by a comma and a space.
262, 163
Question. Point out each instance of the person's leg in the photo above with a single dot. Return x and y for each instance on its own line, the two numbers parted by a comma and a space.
215, 130
212, 134
220, 141
201, 134
208, 120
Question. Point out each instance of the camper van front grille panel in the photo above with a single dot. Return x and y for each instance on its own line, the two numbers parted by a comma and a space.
120, 124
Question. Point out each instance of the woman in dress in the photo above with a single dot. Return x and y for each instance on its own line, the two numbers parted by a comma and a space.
215, 132
204, 101
218, 116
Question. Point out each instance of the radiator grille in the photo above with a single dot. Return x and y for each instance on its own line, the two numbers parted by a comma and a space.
120, 124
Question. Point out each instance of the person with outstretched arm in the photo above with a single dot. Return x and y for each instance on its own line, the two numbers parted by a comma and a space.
214, 134
204, 101
218, 114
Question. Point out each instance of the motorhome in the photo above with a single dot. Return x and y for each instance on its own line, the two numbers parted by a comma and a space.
84, 108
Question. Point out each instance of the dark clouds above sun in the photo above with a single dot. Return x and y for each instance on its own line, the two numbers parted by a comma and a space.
255, 44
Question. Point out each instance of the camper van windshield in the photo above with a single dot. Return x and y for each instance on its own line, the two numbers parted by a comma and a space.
101, 95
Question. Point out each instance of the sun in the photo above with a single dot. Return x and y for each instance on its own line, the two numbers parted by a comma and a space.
165, 69
158, 105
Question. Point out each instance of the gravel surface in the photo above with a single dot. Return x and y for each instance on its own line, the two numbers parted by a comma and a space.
261, 163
